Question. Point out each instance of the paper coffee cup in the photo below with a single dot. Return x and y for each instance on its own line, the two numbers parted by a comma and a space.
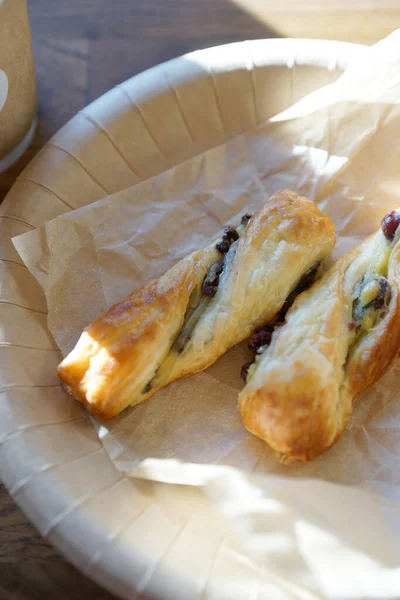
18, 99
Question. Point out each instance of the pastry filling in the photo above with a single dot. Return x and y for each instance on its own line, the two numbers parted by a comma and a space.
372, 294
231, 235
372, 299
200, 299
262, 336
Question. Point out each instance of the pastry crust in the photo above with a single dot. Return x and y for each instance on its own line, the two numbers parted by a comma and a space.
302, 393
130, 352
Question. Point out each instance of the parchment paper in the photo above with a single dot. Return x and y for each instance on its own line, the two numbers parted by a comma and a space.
340, 147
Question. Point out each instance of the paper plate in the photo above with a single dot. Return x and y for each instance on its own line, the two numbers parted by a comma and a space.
136, 538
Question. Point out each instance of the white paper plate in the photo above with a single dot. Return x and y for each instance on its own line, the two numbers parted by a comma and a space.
136, 538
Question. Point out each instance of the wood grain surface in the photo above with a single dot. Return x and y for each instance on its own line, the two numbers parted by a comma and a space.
84, 47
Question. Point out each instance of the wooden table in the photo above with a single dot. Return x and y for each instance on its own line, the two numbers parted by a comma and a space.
84, 47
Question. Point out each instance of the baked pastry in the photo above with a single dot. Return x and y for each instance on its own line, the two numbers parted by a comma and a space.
212, 299
339, 338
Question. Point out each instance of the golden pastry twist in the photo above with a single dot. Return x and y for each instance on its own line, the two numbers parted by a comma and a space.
339, 338
185, 320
